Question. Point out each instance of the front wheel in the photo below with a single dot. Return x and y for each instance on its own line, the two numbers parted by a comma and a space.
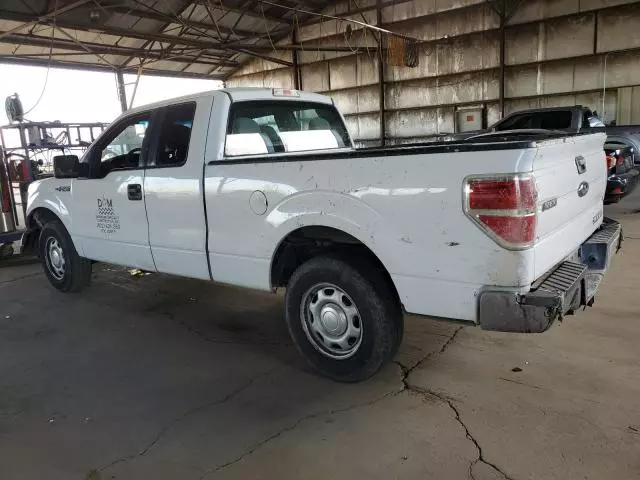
64, 268
343, 319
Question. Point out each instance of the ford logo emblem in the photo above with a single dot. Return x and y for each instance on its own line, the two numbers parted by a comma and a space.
583, 189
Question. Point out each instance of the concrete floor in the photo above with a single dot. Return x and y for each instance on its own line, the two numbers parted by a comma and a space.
167, 378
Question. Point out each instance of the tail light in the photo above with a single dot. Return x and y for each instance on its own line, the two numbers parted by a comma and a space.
504, 207
610, 160
620, 160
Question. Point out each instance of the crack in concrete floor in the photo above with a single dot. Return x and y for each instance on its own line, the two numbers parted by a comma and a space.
173, 422
406, 386
292, 427
11, 280
406, 372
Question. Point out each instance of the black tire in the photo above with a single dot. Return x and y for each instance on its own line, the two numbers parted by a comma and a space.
75, 272
379, 315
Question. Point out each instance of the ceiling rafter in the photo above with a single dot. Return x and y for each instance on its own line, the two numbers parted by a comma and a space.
96, 48
17, 60
149, 43
30, 21
78, 42
181, 40
217, 33
231, 32
153, 14
224, 6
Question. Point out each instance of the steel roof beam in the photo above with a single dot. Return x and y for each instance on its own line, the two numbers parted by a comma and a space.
44, 62
181, 40
96, 48
153, 15
31, 21
217, 4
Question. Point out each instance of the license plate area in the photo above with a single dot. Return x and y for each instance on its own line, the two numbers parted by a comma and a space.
597, 251
596, 254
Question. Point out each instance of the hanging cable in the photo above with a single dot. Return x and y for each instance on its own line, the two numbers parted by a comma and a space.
333, 17
46, 77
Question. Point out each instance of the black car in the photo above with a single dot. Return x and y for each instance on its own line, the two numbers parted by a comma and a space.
622, 171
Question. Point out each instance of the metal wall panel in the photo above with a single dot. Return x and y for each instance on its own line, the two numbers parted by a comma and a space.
557, 52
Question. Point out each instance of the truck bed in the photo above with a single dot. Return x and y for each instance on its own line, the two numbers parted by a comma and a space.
405, 203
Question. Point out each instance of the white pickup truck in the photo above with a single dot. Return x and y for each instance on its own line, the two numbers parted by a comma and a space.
263, 189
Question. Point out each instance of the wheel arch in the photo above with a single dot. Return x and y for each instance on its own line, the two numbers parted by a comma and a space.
35, 220
306, 242
41, 215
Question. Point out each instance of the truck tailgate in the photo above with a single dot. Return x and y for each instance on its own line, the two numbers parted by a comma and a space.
571, 178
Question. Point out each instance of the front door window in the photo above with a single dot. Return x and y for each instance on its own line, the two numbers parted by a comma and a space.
122, 149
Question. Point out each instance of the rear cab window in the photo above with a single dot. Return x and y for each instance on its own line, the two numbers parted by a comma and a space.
516, 122
556, 120
270, 127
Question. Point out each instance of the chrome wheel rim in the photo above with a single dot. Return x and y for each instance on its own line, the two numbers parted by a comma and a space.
54, 256
331, 321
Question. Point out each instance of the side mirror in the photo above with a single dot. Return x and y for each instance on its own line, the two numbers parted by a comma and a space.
66, 166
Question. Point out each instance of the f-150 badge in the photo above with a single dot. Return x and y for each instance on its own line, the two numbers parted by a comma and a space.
549, 204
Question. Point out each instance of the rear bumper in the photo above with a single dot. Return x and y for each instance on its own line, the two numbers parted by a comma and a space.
619, 186
571, 285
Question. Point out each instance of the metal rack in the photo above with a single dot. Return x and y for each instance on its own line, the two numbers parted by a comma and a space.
26, 154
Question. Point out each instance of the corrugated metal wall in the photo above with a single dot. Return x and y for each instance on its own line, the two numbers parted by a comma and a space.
557, 52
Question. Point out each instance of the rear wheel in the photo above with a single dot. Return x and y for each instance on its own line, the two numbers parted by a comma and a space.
64, 268
343, 318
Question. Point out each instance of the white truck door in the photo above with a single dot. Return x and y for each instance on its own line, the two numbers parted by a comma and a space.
109, 220
173, 190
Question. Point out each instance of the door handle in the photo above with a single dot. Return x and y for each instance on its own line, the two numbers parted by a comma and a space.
581, 164
134, 191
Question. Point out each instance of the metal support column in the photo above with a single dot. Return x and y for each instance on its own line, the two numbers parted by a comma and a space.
505, 9
503, 41
381, 86
297, 75
122, 94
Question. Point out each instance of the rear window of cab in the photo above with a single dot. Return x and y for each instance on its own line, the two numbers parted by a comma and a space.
265, 127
